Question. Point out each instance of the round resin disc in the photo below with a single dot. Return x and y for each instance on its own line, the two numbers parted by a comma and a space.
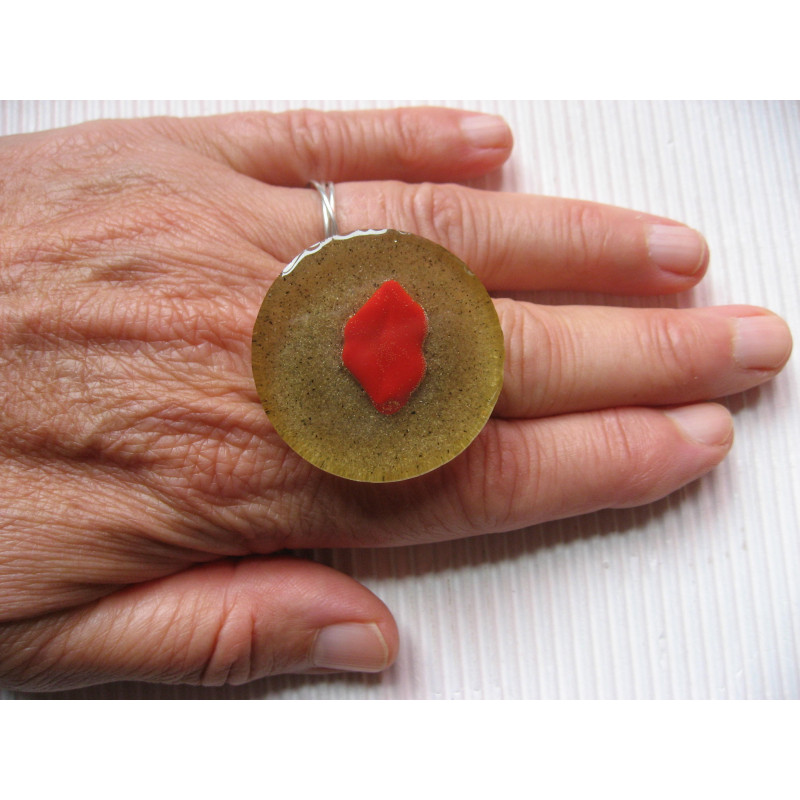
317, 405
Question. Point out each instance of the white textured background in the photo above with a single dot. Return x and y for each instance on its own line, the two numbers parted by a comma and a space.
696, 596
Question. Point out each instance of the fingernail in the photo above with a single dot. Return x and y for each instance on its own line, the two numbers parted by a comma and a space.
706, 423
486, 130
351, 646
762, 342
676, 248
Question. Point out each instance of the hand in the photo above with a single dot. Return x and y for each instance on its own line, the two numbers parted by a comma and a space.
144, 491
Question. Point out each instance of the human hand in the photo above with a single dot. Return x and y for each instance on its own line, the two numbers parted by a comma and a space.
144, 488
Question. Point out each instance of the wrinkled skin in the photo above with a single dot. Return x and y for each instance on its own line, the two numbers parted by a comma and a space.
143, 486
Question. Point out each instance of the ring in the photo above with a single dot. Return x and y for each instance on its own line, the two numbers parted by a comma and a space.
377, 355
325, 190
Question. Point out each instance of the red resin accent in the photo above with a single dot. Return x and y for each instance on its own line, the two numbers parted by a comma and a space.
383, 346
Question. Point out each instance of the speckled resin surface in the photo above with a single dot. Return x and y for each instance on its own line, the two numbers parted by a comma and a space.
315, 403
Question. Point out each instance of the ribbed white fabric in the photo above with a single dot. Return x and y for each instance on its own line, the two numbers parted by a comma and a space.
696, 596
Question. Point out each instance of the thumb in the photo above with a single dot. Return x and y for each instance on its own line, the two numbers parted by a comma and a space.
225, 622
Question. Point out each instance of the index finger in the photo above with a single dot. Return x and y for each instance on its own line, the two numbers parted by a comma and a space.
293, 147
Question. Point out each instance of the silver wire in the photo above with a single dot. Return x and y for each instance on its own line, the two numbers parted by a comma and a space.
325, 190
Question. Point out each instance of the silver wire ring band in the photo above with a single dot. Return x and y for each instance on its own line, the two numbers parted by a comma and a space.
325, 190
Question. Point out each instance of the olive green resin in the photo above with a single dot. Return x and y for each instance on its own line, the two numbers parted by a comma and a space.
319, 408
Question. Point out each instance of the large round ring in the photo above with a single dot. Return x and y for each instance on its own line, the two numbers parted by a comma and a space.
377, 356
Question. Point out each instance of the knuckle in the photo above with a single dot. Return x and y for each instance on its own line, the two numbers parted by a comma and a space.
614, 442
539, 352
316, 139
585, 232
622, 458
500, 472
243, 643
384, 205
405, 131
230, 656
674, 342
440, 212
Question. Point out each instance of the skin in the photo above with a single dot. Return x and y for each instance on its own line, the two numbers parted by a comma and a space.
144, 490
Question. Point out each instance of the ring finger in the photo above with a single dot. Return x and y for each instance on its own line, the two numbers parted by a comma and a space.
514, 241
